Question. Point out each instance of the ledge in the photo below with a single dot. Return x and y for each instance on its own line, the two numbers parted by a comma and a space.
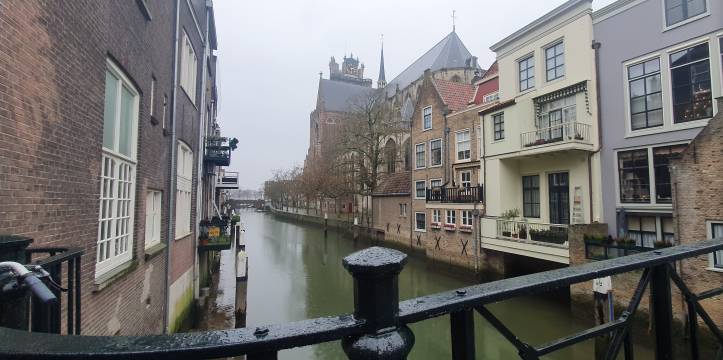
154, 250
114, 275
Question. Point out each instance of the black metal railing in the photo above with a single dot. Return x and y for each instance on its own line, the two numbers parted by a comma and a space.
218, 151
462, 195
540, 232
378, 328
56, 261
571, 131
595, 250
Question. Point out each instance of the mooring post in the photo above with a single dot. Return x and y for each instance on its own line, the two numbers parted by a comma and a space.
662, 311
376, 300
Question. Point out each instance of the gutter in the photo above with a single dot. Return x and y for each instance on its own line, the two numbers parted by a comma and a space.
172, 178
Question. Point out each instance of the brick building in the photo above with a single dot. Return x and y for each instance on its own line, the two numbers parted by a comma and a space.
95, 139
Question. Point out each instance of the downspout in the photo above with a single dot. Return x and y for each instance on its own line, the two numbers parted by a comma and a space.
483, 149
596, 48
201, 152
172, 177
445, 112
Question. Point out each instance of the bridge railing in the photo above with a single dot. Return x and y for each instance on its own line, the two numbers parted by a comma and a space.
378, 327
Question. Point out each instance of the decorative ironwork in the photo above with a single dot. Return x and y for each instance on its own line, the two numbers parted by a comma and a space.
218, 151
378, 329
566, 132
559, 94
460, 195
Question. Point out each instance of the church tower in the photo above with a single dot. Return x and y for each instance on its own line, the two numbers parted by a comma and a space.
381, 81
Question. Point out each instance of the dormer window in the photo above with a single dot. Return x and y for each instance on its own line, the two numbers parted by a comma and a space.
677, 11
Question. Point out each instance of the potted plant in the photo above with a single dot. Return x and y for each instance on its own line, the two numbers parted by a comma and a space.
435, 225
523, 232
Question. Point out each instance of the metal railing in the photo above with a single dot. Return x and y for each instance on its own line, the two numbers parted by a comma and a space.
602, 251
541, 232
378, 328
571, 131
56, 260
229, 180
218, 151
460, 195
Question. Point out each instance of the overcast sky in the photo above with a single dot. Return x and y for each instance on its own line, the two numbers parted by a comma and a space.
271, 53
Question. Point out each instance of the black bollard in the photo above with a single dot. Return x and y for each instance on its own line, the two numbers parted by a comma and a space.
376, 299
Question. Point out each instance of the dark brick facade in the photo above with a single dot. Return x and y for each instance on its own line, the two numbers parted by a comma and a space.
53, 58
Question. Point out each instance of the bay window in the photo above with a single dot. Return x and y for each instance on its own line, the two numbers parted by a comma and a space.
117, 174
690, 80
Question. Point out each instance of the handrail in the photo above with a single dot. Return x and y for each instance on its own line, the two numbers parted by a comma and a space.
264, 342
568, 131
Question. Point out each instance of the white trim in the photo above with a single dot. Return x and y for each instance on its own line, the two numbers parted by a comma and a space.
416, 165
415, 189
441, 151
415, 221
431, 118
667, 27
154, 216
709, 235
456, 145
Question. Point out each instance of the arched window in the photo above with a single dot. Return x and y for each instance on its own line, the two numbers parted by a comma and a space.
390, 156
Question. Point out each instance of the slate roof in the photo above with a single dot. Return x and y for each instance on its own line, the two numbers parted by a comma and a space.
338, 95
450, 52
396, 184
455, 95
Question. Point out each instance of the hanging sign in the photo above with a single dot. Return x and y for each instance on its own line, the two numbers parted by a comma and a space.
602, 285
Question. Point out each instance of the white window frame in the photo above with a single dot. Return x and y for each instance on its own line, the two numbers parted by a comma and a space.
437, 216
487, 98
628, 99
424, 182
189, 68
184, 181
424, 156
667, 27
116, 215
402, 210
424, 111
534, 73
460, 143
564, 60
431, 181
424, 215
154, 204
711, 259
461, 178
450, 217
441, 153
466, 217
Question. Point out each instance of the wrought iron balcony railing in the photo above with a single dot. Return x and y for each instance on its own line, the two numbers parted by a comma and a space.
567, 132
218, 151
378, 328
461, 195
522, 230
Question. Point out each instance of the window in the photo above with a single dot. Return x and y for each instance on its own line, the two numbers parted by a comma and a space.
643, 230
420, 221
467, 217
420, 190
661, 160
435, 152
690, 78
716, 231
437, 216
634, 176
527, 73
151, 97
435, 184
153, 218
163, 114
117, 183
427, 118
531, 196
491, 97
554, 115
420, 160
555, 61
184, 176
646, 100
465, 178
666, 227
189, 68
403, 210
680, 10
498, 124
451, 217
463, 145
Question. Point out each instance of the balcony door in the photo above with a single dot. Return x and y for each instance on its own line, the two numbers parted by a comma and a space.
559, 185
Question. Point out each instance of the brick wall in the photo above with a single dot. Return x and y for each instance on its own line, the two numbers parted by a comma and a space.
52, 64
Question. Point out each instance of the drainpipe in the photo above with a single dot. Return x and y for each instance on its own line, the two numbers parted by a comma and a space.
445, 112
596, 48
172, 178
478, 248
201, 152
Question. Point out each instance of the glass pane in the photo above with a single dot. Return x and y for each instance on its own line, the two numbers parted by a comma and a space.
674, 14
126, 122
637, 88
655, 118
652, 84
695, 7
654, 101
637, 105
109, 112
652, 66
635, 71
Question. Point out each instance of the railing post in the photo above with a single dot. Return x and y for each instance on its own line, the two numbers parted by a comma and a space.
662, 311
376, 300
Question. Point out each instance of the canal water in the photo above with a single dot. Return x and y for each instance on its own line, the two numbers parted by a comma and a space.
295, 273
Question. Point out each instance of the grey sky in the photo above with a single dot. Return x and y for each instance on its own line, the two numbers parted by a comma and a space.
271, 53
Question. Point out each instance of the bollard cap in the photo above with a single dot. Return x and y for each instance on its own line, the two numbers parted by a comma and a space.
375, 261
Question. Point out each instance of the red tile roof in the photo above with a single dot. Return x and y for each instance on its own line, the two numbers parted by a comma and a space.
455, 95
398, 183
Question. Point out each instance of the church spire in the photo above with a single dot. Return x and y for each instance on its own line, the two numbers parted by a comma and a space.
382, 81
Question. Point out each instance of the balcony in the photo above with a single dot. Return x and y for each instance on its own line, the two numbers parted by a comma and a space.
536, 232
567, 133
229, 180
218, 151
463, 195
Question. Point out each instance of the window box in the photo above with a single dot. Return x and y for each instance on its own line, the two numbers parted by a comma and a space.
435, 225
465, 228
214, 235
450, 227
